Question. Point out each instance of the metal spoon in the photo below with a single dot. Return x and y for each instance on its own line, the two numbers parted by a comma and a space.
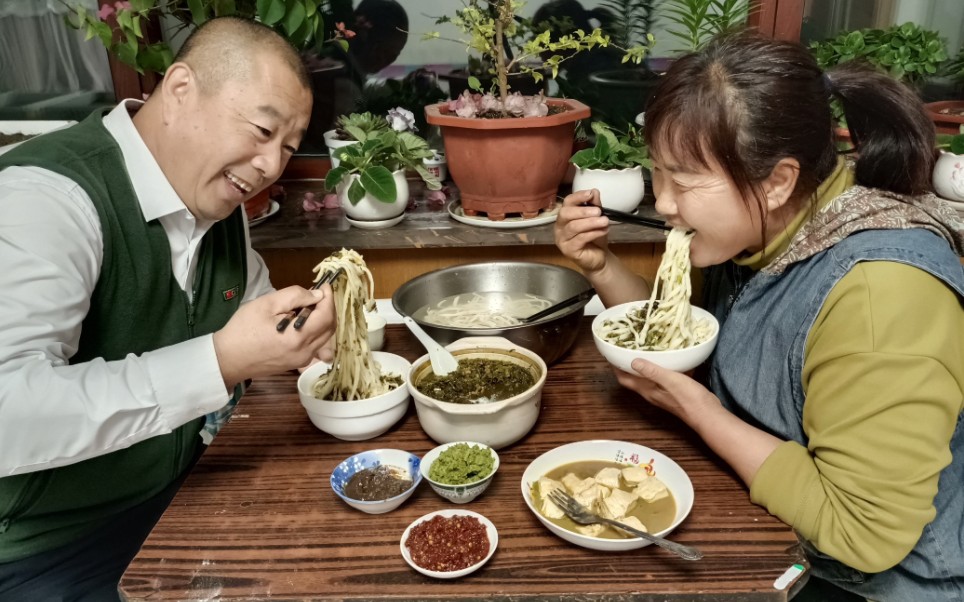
443, 362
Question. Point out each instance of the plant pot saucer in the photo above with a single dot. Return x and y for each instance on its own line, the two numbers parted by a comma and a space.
510, 222
377, 224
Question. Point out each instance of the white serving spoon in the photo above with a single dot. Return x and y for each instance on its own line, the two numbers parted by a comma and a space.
443, 362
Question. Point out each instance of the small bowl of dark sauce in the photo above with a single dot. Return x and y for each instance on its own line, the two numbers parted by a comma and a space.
377, 481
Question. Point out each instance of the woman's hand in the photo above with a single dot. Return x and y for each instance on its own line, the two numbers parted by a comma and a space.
675, 392
581, 231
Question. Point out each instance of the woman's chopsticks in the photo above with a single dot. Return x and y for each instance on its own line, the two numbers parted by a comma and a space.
629, 218
555, 307
300, 316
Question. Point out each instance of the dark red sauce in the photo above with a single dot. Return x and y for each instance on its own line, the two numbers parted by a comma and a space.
444, 544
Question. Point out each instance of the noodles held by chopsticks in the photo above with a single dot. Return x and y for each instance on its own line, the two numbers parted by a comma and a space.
354, 374
666, 321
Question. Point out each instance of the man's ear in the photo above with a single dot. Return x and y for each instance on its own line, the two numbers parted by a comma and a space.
178, 84
781, 182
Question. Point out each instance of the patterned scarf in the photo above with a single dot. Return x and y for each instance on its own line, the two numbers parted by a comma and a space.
860, 208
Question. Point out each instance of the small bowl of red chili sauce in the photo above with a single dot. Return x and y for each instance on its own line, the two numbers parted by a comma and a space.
448, 544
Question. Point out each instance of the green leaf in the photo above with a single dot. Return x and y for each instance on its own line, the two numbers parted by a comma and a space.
271, 11
334, 176
431, 182
474, 83
957, 144
199, 13
356, 192
295, 18
379, 183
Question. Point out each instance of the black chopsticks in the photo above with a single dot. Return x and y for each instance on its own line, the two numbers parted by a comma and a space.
300, 316
577, 298
629, 218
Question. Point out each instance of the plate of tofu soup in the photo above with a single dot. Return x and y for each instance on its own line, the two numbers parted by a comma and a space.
623, 481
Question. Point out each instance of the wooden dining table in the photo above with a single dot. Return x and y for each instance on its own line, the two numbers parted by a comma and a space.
257, 518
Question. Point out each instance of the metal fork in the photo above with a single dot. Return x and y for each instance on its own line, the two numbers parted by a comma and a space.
578, 513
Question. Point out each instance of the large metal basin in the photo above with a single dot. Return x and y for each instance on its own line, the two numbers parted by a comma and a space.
550, 337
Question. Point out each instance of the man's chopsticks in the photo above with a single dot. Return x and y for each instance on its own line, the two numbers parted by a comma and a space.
300, 316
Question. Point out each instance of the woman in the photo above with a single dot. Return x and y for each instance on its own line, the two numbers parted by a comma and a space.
835, 390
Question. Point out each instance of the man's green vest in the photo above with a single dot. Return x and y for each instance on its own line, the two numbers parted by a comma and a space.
136, 307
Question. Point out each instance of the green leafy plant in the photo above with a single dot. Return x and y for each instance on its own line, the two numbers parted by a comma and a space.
696, 21
488, 26
954, 68
632, 20
382, 152
953, 143
614, 150
121, 27
359, 126
908, 52
412, 92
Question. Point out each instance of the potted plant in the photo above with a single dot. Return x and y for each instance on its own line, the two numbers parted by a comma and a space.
370, 177
351, 129
948, 175
614, 167
508, 153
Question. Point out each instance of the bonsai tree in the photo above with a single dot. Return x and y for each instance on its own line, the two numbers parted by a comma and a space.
490, 24
614, 150
377, 155
121, 27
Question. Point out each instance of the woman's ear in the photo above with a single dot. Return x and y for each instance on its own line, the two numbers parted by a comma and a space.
782, 181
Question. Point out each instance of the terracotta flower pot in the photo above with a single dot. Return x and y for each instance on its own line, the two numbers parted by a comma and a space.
947, 115
510, 165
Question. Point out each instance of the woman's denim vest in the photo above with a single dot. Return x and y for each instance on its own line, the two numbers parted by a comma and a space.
757, 370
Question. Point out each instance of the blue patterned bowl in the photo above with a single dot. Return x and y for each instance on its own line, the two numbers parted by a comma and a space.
370, 459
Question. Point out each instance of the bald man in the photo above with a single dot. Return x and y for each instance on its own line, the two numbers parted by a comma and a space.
133, 303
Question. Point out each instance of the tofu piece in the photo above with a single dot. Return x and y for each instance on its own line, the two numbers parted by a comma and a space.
608, 477
634, 474
593, 530
618, 503
651, 490
589, 497
575, 485
549, 508
632, 521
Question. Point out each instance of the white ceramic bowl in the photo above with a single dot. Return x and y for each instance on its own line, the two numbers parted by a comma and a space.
495, 424
376, 330
619, 189
333, 144
370, 459
363, 418
667, 471
679, 360
460, 494
490, 529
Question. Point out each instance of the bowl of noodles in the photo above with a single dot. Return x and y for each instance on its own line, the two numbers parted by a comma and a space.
629, 331
361, 393
363, 417
492, 299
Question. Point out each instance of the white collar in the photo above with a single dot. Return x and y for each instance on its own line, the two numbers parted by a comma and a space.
154, 192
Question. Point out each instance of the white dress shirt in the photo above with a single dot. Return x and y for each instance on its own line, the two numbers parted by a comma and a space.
51, 249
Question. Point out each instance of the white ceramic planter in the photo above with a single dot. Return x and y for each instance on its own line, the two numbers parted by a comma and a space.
370, 209
949, 176
619, 189
334, 143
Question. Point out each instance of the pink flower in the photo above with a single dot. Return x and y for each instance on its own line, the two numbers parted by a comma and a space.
105, 11
310, 203
535, 107
122, 5
437, 198
490, 103
331, 201
515, 104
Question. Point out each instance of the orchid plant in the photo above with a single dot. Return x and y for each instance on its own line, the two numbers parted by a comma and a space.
121, 26
380, 153
488, 25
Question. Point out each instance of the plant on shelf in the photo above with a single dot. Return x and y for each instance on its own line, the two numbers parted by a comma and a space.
412, 92
358, 127
373, 170
908, 52
613, 166
121, 27
696, 21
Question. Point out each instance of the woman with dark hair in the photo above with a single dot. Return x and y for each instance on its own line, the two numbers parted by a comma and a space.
837, 385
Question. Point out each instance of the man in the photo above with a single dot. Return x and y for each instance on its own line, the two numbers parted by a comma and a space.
133, 303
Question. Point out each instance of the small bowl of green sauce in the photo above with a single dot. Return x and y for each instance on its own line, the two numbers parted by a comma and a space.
461, 470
